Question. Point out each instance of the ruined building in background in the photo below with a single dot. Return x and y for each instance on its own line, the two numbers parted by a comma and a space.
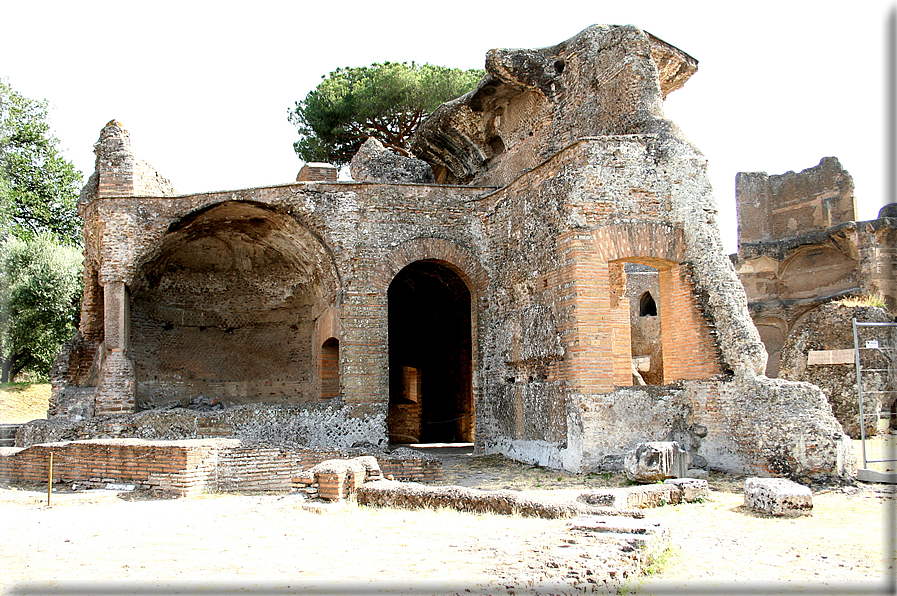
483, 292
800, 248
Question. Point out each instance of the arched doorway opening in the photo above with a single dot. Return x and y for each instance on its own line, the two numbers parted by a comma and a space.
430, 371
329, 368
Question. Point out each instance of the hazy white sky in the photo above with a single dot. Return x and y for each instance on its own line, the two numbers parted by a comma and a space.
204, 88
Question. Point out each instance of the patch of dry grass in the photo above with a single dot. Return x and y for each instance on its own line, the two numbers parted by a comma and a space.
22, 402
864, 300
494, 472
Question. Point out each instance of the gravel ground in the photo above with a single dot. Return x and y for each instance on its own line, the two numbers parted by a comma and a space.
98, 542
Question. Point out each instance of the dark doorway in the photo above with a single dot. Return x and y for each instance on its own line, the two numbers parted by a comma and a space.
430, 397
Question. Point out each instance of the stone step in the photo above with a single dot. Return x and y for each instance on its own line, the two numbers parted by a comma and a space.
8, 434
614, 524
649, 538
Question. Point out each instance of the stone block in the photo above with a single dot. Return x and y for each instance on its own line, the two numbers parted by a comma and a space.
672, 492
777, 496
693, 489
376, 163
653, 461
651, 495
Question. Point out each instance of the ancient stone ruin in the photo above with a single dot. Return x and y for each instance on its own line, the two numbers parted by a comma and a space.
482, 292
800, 250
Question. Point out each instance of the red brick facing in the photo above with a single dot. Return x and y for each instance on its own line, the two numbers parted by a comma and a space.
689, 349
183, 467
598, 331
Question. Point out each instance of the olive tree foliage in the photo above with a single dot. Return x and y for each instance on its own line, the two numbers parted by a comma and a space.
386, 101
38, 186
40, 291
40, 238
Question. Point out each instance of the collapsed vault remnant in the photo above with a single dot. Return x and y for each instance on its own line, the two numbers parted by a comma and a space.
555, 178
800, 246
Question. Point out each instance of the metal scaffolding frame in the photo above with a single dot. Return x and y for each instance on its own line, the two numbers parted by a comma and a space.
891, 351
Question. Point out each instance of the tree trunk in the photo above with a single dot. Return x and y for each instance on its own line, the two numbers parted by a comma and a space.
17, 367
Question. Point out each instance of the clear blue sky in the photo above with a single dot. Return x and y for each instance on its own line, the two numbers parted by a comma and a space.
204, 88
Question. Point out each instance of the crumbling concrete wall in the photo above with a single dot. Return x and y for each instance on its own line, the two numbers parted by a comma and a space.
570, 172
820, 350
772, 208
800, 246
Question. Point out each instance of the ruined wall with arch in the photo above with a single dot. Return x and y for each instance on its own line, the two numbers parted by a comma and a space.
313, 311
800, 247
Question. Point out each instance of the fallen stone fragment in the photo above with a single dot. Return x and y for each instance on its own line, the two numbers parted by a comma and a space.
777, 496
693, 489
653, 461
411, 495
618, 525
634, 497
648, 538
376, 163
672, 492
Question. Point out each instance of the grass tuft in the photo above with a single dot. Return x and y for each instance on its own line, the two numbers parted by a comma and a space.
864, 300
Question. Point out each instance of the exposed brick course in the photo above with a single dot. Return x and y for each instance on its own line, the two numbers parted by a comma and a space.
188, 467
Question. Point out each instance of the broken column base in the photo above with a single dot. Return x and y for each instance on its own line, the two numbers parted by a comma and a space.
656, 460
777, 496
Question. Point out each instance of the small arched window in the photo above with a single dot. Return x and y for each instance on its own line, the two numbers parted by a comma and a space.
646, 306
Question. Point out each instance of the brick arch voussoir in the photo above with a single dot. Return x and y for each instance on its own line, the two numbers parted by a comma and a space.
640, 241
457, 258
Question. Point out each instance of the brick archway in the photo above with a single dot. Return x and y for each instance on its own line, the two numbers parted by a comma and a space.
417, 276
642, 242
438, 250
598, 272
228, 307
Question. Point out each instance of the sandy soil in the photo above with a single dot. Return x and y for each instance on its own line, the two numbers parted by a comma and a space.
98, 542
23, 402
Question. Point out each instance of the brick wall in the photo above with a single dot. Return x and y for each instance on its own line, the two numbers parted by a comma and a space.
689, 348
184, 467
317, 172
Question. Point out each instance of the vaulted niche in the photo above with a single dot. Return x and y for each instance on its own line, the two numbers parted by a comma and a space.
430, 397
224, 311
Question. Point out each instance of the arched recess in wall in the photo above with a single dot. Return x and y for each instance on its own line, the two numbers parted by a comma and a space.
815, 272
225, 310
328, 368
647, 307
641, 287
434, 288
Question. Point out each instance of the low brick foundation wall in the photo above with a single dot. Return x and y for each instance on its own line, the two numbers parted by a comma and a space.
186, 467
